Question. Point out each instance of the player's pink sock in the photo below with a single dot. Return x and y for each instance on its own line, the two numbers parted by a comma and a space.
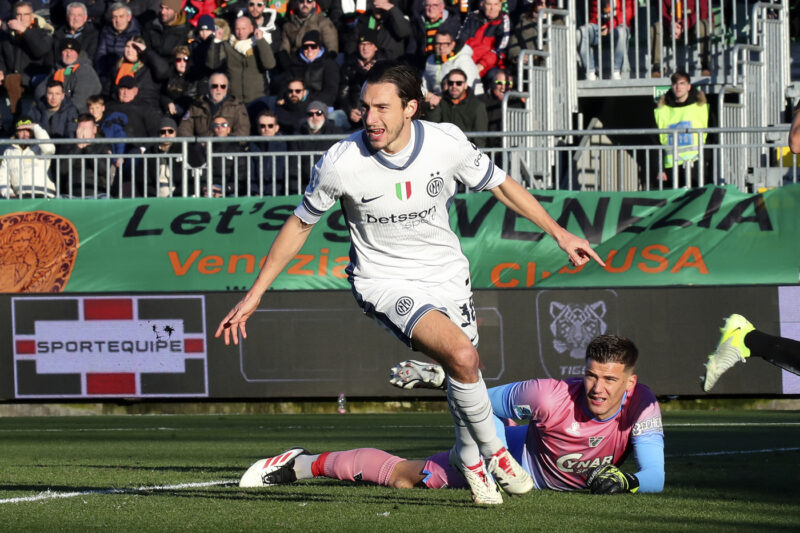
362, 464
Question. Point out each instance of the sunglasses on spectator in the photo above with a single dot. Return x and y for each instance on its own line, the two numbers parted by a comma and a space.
220, 124
314, 113
267, 126
182, 58
167, 131
306, 1
257, 4
218, 86
294, 91
310, 46
508, 83
457, 83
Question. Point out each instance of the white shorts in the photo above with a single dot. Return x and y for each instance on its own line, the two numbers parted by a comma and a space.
398, 305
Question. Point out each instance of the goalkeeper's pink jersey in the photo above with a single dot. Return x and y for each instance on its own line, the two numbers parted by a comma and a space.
563, 441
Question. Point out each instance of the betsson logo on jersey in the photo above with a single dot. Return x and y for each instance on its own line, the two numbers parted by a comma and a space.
403, 217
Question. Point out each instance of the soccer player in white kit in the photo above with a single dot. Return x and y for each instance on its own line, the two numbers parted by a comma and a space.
395, 180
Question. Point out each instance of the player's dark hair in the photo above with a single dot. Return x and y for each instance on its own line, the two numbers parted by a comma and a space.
407, 80
613, 349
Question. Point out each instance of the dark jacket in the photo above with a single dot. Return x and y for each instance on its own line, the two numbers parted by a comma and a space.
179, 89
487, 38
352, 77
80, 176
307, 161
28, 54
321, 76
58, 125
163, 39
469, 114
198, 121
292, 116
111, 45
417, 46
393, 32
267, 174
86, 36
147, 78
142, 121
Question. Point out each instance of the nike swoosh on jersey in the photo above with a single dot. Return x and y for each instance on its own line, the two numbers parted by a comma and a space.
368, 200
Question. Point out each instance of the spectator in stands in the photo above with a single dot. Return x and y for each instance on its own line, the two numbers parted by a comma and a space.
318, 70
392, 28
55, 113
246, 58
458, 105
291, 109
268, 174
525, 34
615, 18
355, 68
683, 106
169, 30
498, 82
265, 20
60, 13
302, 19
25, 52
448, 56
180, 90
316, 123
686, 22
425, 24
162, 176
85, 176
145, 66
200, 50
228, 172
137, 118
114, 37
77, 28
487, 32
75, 72
23, 170
198, 121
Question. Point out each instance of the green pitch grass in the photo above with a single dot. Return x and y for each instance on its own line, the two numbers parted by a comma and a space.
726, 471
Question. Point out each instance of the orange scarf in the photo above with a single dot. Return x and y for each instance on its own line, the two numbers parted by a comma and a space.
62, 73
127, 69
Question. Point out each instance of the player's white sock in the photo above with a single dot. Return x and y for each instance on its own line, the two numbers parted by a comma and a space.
466, 447
472, 400
302, 466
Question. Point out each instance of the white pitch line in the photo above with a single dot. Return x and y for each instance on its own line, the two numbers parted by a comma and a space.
732, 452
50, 495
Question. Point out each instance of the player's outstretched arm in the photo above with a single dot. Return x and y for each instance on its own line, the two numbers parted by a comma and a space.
515, 197
290, 239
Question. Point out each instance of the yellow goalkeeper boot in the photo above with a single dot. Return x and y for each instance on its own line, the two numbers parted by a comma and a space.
730, 349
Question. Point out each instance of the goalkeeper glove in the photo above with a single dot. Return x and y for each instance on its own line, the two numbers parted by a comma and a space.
609, 479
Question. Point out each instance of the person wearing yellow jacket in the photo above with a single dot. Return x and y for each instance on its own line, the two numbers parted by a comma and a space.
682, 107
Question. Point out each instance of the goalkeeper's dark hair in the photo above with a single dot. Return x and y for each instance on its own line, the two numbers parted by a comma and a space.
613, 349
407, 80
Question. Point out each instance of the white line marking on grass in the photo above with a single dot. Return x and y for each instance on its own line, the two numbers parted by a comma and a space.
50, 495
733, 452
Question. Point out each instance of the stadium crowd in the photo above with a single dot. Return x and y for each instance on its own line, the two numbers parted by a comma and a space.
213, 68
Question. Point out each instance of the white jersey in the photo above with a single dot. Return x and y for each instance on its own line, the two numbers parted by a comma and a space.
398, 214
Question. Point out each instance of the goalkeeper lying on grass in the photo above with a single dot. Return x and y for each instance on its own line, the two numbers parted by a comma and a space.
579, 430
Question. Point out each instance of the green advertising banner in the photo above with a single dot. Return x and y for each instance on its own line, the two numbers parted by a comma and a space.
706, 236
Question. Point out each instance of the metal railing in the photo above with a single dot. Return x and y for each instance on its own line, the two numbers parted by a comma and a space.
594, 159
